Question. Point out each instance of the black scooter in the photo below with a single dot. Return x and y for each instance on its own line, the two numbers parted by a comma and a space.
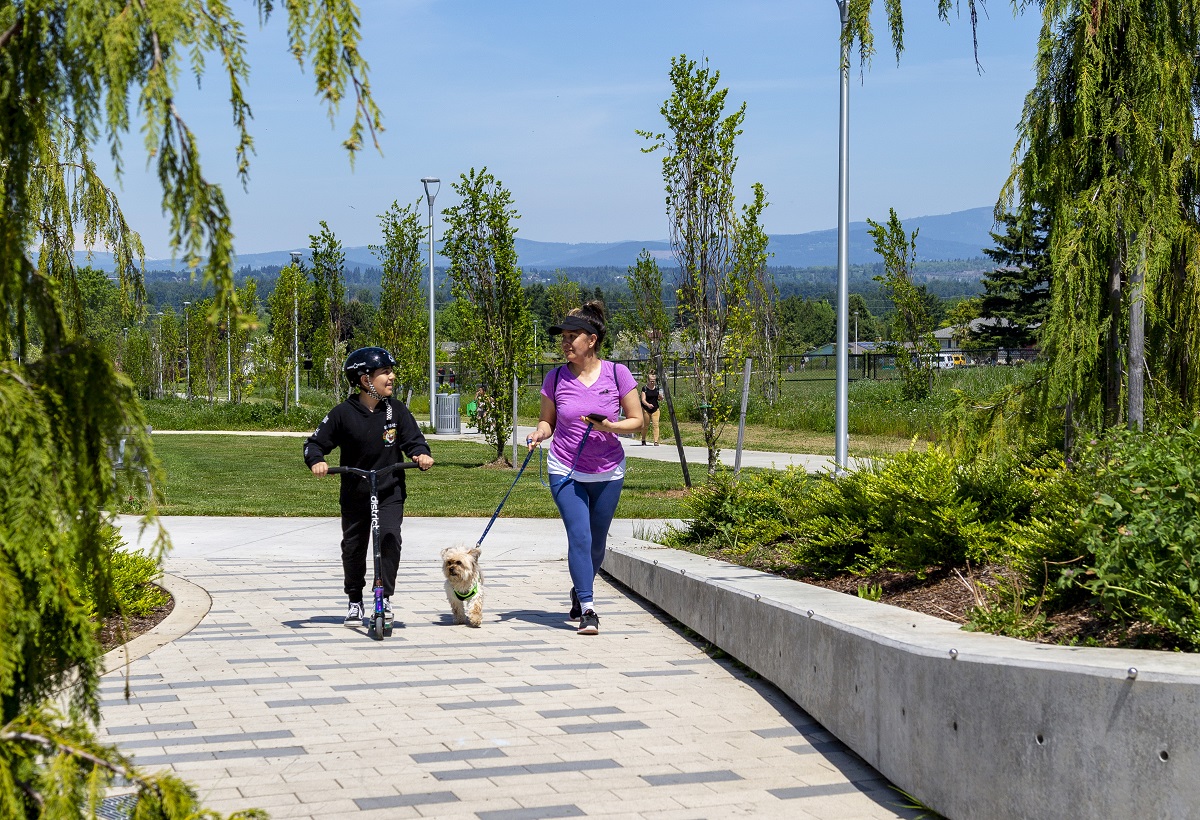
380, 626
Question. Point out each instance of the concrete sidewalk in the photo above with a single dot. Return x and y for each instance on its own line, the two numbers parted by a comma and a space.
264, 699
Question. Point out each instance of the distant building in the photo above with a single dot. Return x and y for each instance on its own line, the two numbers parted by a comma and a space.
855, 349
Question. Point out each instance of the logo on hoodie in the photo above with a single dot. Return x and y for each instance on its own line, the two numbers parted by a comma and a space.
389, 436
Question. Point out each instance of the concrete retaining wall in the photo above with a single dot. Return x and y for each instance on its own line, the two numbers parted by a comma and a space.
973, 725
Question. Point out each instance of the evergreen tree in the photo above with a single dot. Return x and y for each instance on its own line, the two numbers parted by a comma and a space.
868, 325
1016, 294
1108, 148
805, 323
68, 74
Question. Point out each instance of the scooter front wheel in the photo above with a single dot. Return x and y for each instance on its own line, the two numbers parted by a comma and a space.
377, 627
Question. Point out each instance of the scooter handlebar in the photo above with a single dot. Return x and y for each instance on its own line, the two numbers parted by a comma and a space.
382, 471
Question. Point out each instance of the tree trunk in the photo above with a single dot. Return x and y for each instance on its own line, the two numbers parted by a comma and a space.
1137, 344
1112, 352
662, 380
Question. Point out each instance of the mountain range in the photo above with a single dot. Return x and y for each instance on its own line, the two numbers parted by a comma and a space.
957, 235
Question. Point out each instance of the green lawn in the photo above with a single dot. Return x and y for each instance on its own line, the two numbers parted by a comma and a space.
266, 476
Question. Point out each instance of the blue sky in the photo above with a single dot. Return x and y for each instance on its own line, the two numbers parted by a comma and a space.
548, 95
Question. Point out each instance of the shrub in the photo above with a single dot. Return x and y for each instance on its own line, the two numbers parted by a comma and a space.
741, 515
131, 590
181, 414
134, 574
1141, 529
906, 513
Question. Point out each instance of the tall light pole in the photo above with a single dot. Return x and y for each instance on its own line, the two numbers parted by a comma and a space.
430, 195
841, 404
296, 255
187, 347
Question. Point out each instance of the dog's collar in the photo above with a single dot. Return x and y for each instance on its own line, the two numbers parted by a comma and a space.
468, 596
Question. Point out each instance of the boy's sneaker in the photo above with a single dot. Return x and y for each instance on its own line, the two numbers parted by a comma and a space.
589, 624
387, 610
354, 616
576, 610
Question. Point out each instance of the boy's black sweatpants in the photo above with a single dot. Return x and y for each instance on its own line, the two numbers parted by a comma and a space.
356, 545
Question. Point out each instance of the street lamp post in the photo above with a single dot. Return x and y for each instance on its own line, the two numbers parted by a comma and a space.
430, 195
296, 255
841, 409
187, 348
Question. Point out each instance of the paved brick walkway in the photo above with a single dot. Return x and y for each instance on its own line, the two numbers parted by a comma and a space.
270, 702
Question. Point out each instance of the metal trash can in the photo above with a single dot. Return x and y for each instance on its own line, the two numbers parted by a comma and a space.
446, 419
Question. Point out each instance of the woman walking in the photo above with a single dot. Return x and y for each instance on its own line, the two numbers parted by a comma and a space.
650, 408
581, 407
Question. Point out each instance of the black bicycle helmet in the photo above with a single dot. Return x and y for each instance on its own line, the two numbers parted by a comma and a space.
365, 361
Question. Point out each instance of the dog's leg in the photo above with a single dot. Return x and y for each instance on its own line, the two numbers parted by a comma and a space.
475, 613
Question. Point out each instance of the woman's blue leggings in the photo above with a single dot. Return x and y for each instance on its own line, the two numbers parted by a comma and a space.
587, 509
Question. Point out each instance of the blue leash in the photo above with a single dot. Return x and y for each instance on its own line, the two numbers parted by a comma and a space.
506, 495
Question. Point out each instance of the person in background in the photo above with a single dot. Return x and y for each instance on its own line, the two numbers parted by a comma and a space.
373, 430
581, 405
650, 398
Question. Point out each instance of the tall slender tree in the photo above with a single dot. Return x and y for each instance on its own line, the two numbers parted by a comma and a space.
496, 324
289, 299
328, 297
715, 282
402, 322
763, 295
913, 346
170, 342
241, 328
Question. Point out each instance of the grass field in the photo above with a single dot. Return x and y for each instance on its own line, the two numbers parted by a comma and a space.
266, 476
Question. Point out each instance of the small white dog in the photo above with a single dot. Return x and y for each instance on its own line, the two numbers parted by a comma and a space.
464, 584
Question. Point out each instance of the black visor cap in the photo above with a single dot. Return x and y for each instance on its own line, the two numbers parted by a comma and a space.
574, 323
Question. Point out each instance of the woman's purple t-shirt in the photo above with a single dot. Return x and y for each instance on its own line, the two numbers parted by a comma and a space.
572, 399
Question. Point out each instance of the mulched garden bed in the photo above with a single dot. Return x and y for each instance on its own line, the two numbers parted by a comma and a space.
112, 635
944, 593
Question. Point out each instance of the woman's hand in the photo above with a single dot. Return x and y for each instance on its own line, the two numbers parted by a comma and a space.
539, 434
601, 425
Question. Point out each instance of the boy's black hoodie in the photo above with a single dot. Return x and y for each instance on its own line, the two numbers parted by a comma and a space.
368, 440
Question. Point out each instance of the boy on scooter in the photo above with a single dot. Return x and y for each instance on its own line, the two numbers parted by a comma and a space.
373, 430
